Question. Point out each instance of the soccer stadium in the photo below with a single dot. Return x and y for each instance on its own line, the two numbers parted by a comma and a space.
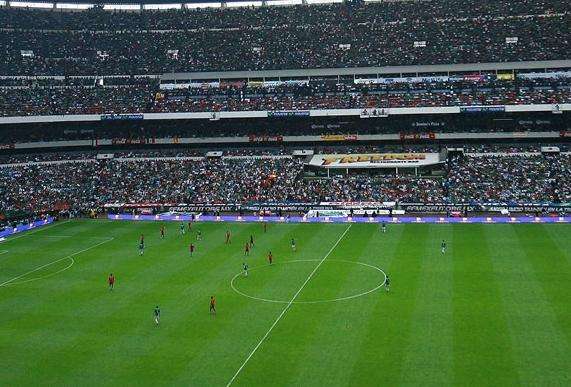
285, 193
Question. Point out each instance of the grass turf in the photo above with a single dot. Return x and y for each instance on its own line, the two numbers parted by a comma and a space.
494, 310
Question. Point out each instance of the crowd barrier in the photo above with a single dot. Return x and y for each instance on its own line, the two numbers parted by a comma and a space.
355, 219
25, 227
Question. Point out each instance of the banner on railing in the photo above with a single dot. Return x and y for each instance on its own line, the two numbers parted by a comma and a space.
121, 117
375, 160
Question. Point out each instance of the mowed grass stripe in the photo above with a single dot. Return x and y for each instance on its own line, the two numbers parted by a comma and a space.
381, 252
60, 309
69, 329
482, 342
23, 298
260, 367
539, 347
34, 317
291, 348
71, 305
561, 235
387, 336
170, 278
235, 314
429, 356
29, 253
332, 337
552, 268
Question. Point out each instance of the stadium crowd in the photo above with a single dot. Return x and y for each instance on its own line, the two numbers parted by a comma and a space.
510, 179
97, 42
96, 19
93, 183
145, 96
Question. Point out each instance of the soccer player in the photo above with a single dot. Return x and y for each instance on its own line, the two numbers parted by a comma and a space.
245, 267
443, 247
162, 232
270, 257
228, 241
157, 315
141, 245
198, 235
191, 249
251, 241
383, 227
181, 228
247, 249
189, 226
388, 284
293, 246
265, 226
212, 305
111, 281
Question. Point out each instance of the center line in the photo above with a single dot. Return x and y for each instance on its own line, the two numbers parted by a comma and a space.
289, 304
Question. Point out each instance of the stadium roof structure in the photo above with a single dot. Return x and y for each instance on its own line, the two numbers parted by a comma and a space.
157, 4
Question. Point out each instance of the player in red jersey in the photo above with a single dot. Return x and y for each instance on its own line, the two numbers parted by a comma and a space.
247, 249
270, 257
162, 232
191, 249
111, 281
228, 241
212, 304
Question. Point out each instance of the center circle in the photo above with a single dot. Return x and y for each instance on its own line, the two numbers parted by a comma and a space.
381, 283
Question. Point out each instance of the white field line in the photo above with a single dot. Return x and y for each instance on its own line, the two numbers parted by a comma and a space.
56, 261
72, 262
28, 233
289, 304
377, 287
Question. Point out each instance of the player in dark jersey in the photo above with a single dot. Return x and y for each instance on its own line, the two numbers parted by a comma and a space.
270, 258
162, 232
388, 283
228, 236
245, 268
191, 249
111, 281
265, 226
157, 315
251, 241
189, 226
247, 249
212, 305
443, 246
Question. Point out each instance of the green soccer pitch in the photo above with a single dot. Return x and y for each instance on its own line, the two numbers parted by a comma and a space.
495, 309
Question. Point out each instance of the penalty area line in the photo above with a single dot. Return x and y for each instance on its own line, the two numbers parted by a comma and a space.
286, 308
53, 262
